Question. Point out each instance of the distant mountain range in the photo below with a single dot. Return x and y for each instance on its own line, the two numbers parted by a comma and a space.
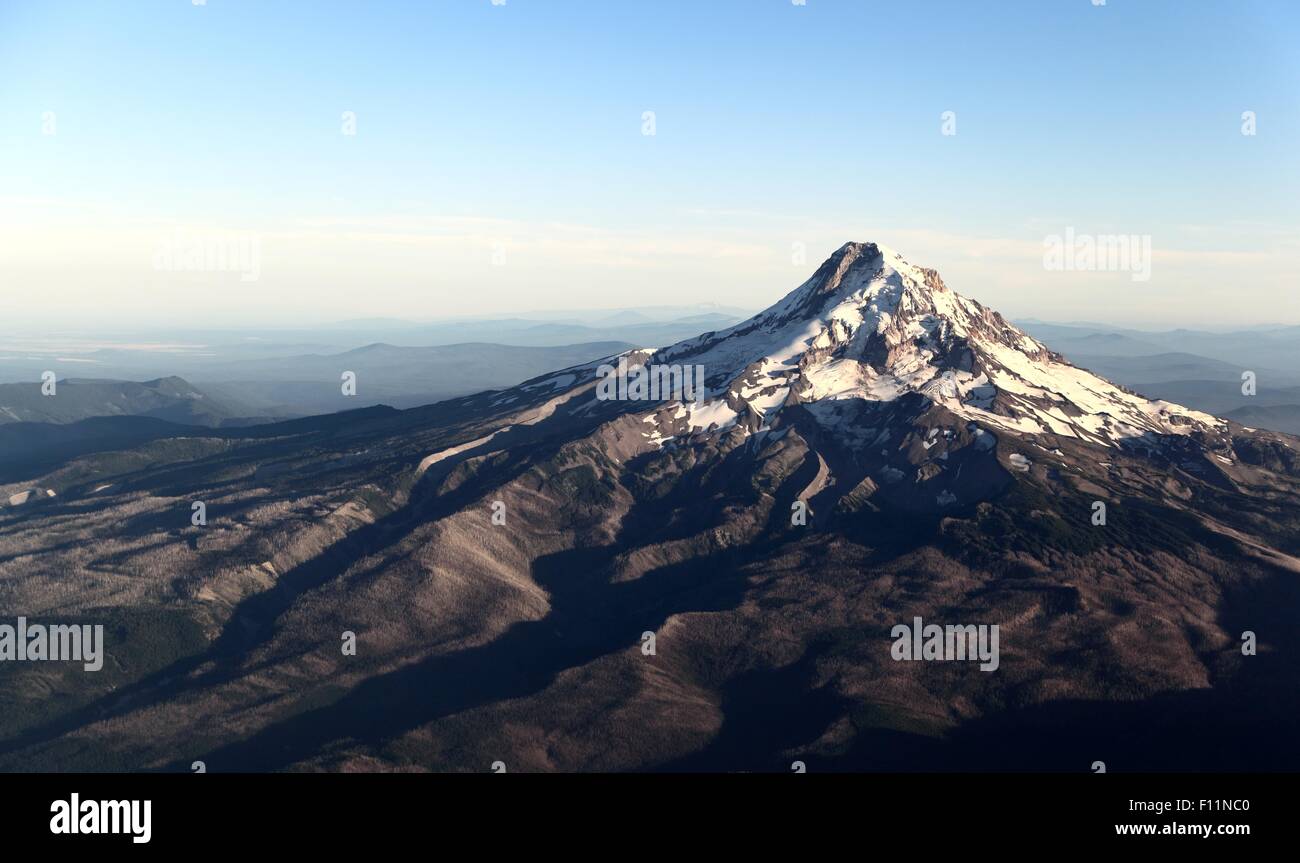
1200, 369
173, 399
547, 578
247, 392
194, 353
38, 431
388, 374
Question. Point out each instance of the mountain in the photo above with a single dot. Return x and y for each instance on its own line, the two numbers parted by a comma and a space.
122, 414
1159, 368
860, 334
1209, 380
1075, 339
389, 374
28, 449
207, 357
625, 318
559, 581
173, 399
1284, 417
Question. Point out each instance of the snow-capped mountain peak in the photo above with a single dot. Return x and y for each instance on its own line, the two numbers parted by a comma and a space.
869, 326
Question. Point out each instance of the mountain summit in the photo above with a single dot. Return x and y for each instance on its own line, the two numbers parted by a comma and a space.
870, 327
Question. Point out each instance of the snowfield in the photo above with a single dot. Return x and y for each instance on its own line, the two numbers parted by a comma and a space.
870, 326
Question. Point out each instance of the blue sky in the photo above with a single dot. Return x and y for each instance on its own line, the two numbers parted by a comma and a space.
499, 162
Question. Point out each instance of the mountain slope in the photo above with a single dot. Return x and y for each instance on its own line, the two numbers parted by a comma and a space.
500, 558
172, 399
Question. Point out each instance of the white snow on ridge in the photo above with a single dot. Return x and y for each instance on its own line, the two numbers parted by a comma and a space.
870, 326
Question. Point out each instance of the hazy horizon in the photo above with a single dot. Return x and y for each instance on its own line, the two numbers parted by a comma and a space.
35, 329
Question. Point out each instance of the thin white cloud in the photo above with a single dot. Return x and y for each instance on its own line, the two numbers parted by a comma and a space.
70, 259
